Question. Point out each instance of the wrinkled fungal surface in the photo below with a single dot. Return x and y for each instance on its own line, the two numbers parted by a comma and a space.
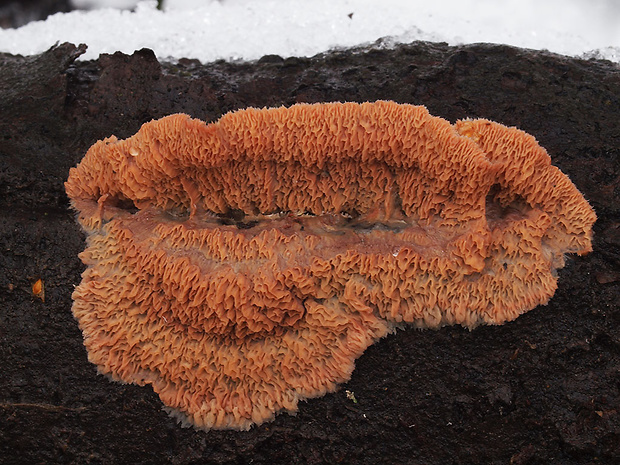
243, 265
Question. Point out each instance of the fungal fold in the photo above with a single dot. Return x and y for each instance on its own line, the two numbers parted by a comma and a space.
241, 266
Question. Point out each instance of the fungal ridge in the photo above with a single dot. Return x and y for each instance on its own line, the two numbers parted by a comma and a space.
243, 265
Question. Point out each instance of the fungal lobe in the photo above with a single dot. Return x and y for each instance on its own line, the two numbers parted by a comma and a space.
243, 265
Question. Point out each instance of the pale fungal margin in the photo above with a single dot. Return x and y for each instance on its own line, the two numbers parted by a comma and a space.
243, 265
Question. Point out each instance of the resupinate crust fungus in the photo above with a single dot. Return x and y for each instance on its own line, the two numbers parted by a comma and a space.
243, 265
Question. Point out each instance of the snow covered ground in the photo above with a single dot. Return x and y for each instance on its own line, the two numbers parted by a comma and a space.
248, 29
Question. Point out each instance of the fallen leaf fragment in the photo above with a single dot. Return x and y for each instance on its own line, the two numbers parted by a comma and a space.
38, 289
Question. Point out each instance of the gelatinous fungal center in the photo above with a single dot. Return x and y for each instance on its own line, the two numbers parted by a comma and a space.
243, 265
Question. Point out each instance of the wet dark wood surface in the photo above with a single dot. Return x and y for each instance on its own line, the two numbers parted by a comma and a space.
542, 389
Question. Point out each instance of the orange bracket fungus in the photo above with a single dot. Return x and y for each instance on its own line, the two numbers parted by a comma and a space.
243, 265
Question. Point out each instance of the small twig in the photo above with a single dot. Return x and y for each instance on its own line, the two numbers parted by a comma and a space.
51, 407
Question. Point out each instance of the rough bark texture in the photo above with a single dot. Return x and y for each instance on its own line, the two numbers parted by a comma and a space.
543, 389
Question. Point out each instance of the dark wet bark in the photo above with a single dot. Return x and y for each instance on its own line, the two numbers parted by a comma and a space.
543, 389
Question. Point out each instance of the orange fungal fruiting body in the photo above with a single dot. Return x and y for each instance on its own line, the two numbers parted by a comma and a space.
243, 265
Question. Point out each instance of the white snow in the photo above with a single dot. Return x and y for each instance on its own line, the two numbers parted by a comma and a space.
248, 29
